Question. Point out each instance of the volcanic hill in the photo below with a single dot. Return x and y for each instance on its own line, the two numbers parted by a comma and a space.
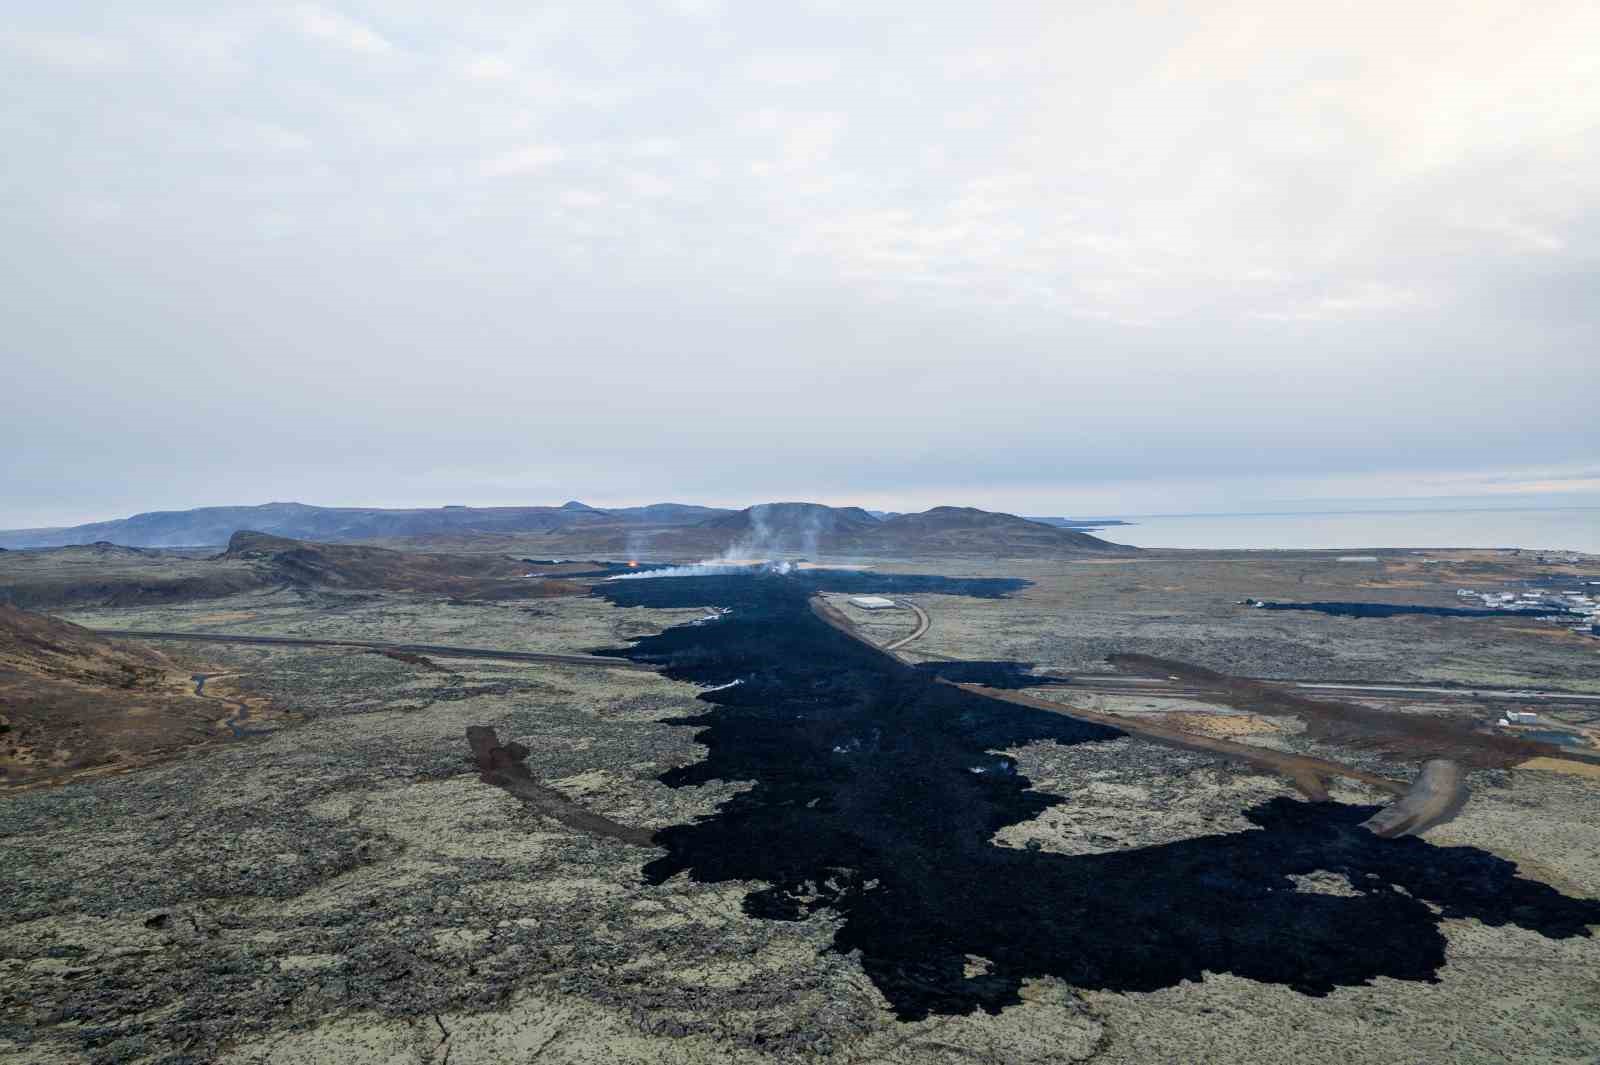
810, 528
281, 560
211, 526
103, 574
107, 575
659, 530
792, 528
970, 531
72, 702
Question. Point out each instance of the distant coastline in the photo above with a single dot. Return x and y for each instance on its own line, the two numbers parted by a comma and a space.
1536, 529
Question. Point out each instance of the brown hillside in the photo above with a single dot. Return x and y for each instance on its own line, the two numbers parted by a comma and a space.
968, 530
72, 703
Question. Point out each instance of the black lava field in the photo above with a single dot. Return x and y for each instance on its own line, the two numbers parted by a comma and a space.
868, 801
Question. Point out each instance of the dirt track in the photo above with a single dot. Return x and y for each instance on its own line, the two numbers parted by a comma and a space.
1412, 736
923, 624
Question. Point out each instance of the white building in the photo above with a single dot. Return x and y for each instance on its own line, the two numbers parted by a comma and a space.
871, 602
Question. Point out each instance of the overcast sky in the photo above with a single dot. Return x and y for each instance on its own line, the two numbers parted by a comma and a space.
1065, 257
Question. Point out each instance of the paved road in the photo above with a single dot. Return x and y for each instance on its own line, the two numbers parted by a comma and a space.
1101, 684
1157, 688
437, 650
923, 622
1402, 691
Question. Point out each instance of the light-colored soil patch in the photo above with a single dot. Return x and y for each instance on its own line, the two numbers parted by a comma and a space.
1222, 724
1562, 765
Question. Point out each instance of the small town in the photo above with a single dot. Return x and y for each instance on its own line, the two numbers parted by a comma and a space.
1576, 607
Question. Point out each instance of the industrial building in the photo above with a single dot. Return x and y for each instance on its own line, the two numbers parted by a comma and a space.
872, 602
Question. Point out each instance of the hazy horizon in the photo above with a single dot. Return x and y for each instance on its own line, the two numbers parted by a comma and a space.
1099, 259
1284, 508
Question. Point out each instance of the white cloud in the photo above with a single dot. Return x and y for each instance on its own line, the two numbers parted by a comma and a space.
583, 199
77, 52
262, 138
527, 160
790, 69
695, 9
1366, 299
487, 68
339, 29
1052, 230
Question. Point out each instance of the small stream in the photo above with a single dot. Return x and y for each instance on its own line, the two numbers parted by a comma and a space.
241, 710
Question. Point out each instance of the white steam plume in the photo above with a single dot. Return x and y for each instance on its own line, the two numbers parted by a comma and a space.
710, 568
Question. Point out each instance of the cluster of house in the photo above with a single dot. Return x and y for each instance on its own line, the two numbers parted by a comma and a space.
1580, 608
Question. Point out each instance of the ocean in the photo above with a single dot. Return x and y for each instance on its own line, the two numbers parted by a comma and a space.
1553, 529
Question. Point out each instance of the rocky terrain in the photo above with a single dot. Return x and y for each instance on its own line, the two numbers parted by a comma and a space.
352, 888
348, 566
107, 575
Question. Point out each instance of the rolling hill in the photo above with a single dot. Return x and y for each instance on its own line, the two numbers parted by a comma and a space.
811, 530
212, 526
968, 530
108, 575
349, 566
660, 530
73, 702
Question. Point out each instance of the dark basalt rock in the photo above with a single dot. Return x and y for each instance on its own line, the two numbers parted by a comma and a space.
1008, 676
868, 801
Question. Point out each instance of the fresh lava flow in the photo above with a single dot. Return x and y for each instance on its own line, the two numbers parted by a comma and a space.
866, 800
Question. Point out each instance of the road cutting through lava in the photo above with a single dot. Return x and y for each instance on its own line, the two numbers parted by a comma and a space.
873, 791
1438, 792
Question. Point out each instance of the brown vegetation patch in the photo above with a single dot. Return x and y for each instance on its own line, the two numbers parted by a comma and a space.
1552, 632
77, 704
1562, 765
1220, 724
411, 659
222, 617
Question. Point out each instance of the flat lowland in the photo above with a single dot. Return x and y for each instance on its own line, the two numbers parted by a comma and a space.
350, 888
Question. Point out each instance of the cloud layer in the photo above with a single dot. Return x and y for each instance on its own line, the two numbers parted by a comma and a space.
1051, 258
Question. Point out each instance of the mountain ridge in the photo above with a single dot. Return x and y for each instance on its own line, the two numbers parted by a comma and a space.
788, 528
